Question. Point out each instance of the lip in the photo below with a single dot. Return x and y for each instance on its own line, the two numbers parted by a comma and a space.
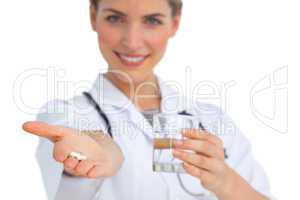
131, 64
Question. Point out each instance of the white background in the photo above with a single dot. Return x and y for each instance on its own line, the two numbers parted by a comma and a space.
219, 41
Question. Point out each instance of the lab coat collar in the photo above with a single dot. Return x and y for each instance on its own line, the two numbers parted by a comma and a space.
106, 94
113, 101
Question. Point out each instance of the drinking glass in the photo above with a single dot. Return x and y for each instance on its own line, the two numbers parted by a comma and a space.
167, 128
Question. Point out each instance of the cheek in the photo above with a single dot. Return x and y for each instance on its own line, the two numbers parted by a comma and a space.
108, 36
159, 41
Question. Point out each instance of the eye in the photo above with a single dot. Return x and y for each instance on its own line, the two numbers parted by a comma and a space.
113, 18
152, 21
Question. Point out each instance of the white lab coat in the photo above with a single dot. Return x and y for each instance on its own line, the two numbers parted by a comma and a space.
136, 180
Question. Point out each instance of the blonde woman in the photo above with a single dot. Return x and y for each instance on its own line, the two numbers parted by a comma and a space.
93, 146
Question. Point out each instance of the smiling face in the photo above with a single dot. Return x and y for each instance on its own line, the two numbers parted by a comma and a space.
133, 34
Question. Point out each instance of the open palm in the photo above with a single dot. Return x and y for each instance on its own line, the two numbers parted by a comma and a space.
104, 157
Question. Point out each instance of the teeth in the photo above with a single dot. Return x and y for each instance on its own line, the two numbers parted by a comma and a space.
132, 59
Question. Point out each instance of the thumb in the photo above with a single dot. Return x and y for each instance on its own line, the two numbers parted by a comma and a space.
51, 132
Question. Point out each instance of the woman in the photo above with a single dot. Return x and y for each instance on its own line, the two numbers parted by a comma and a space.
133, 37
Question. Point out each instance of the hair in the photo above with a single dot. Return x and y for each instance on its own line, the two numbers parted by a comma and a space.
176, 6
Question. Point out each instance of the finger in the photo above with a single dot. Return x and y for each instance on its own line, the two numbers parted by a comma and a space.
193, 170
53, 133
207, 179
95, 172
69, 172
201, 147
203, 162
61, 152
202, 135
83, 167
70, 163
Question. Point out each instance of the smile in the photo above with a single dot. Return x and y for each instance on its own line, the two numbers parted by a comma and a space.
131, 60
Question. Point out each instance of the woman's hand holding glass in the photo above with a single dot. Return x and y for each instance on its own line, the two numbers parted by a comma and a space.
204, 159
103, 156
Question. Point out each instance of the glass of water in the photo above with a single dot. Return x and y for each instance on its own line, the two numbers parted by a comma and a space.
167, 128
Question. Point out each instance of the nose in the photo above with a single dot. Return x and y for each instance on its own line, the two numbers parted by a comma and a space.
132, 38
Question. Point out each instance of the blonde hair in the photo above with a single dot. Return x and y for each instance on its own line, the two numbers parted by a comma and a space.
176, 6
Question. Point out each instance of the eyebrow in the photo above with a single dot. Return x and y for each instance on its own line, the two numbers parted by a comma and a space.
123, 14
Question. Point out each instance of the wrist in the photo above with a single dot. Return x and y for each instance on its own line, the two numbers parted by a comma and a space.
230, 185
237, 188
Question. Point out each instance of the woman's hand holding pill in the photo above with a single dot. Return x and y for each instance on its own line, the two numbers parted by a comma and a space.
89, 154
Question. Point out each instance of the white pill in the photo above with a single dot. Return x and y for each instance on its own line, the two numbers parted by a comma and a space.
78, 155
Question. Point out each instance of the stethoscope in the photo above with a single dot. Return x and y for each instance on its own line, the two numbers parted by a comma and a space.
108, 125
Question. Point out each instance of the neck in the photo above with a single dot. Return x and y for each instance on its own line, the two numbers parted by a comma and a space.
144, 94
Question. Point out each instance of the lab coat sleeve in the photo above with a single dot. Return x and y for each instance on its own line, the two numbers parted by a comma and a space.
58, 185
240, 157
